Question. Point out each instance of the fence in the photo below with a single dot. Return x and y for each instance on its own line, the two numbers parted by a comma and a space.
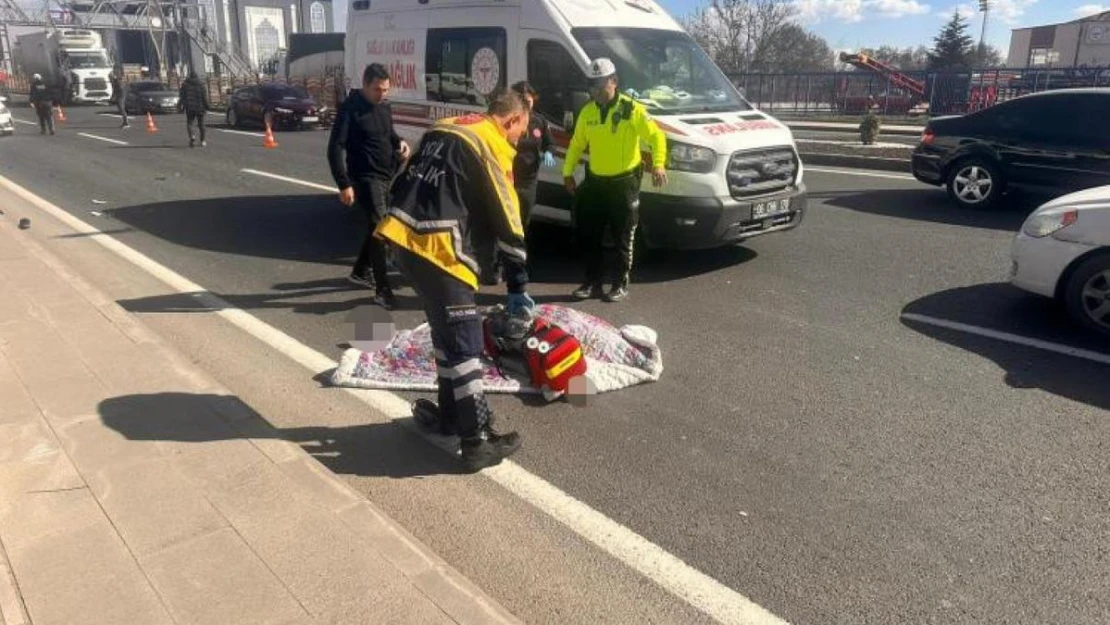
853, 92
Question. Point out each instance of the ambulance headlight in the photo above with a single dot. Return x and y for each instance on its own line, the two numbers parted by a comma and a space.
692, 158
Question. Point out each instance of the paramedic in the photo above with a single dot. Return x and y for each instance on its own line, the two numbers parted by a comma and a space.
533, 150
610, 127
452, 208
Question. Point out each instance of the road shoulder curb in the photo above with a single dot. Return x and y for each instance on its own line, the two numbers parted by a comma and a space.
899, 165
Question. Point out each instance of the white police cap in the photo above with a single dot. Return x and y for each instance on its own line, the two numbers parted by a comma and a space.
601, 68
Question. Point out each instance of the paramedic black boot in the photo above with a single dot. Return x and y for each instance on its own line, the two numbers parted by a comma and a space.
488, 448
428, 416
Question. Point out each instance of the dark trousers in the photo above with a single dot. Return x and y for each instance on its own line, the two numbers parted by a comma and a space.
526, 192
197, 119
122, 111
614, 203
456, 328
46, 116
372, 196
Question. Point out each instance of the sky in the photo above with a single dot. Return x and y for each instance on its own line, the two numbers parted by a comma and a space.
854, 24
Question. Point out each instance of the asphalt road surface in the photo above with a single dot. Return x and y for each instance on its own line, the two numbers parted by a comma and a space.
809, 446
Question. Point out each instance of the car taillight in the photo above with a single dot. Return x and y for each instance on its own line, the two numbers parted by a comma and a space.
927, 137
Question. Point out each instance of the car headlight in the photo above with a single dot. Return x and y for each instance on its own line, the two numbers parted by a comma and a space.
281, 110
1042, 225
692, 158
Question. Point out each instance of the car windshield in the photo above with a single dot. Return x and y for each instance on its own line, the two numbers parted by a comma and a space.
151, 86
88, 61
664, 69
284, 93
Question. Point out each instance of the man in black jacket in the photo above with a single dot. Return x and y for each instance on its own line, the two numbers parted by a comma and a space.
533, 149
119, 95
365, 152
42, 99
193, 98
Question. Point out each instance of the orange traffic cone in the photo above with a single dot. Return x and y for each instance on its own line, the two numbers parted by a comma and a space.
269, 142
150, 127
61, 115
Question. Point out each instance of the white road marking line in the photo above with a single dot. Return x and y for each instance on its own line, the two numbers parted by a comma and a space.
857, 172
298, 181
99, 138
720, 602
240, 132
1047, 346
20, 121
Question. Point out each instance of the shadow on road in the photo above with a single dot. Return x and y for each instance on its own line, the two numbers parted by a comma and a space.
378, 449
1002, 308
933, 205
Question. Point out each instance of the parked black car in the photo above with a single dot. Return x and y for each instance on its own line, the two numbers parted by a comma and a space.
1056, 141
287, 107
150, 97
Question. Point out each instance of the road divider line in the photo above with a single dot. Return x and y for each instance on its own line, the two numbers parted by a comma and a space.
1016, 339
27, 123
720, 602
99, 138
239, 132
297, 181
858, 172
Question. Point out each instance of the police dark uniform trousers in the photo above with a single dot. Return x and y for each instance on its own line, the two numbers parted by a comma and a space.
610, 195
454, 199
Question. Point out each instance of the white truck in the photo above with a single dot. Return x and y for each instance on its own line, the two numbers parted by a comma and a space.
72, 60
734, 171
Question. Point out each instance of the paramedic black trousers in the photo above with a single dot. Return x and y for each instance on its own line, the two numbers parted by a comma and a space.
456, 326
613, 202
371, 195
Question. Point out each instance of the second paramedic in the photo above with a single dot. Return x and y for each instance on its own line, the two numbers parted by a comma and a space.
611, 127
533, 149
452, 203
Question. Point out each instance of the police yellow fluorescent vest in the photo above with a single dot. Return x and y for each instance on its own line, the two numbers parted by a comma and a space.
615, 152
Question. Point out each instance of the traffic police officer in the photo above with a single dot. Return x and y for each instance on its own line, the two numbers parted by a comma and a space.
611, 127
452, 208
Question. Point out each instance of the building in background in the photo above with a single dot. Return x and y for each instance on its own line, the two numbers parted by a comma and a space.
1080, 43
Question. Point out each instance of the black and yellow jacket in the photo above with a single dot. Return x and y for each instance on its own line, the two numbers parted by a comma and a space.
455, 206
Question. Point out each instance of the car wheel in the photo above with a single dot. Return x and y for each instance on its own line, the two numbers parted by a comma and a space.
975, 183
1087, 294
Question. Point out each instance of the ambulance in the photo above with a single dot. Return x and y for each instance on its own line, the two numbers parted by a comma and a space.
734, 171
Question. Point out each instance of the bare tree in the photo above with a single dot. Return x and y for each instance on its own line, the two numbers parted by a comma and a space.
791, 48
734, 31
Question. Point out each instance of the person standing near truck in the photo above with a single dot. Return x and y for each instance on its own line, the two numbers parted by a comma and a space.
42, 99
193, 98
119, 94
364, 153
611, 126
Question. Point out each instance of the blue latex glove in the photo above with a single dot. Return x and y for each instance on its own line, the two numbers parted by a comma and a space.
548, 160
518, 302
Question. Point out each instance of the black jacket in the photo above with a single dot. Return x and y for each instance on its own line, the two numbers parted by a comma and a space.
530, 148
41, 93
363, 142
119, 90
194, 96
455, 207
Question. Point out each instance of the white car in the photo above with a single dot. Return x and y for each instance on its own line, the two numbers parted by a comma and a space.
7, 126
1063, 252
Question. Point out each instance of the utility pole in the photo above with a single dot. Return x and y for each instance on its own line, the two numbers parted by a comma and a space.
984, 8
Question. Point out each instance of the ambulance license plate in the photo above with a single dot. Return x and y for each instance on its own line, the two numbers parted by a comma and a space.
310, 120
770, 208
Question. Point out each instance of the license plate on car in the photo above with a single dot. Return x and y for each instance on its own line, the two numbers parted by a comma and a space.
770, 208
310, 120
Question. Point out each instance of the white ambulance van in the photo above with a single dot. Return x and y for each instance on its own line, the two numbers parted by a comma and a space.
734, 171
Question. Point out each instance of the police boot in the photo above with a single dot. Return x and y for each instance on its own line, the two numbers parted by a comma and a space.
588, 290
618, 293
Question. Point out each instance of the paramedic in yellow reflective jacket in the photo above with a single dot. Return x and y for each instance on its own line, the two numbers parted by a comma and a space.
611, 126
452, 209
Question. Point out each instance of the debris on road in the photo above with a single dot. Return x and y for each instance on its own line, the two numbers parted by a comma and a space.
99, 202
24, 223
96, 213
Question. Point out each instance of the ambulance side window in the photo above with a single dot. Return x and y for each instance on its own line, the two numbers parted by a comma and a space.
558, 81
464, 65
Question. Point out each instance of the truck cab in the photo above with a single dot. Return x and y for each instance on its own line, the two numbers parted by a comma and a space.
734, 171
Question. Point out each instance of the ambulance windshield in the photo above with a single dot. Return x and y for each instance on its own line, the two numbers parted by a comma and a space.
664, 69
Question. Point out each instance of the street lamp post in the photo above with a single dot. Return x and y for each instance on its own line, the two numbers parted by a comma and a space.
984, 8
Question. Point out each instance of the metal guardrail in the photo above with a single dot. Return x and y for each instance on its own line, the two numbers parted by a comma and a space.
855, 92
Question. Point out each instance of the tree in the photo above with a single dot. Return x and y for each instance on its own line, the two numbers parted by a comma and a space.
733, 32
791, 48
953, 48
989, 56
